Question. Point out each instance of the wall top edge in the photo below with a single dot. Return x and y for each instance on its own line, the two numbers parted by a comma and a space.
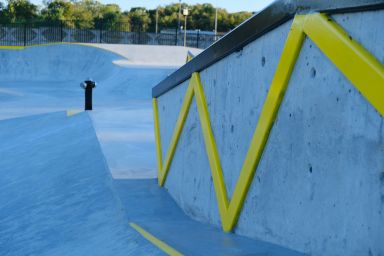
259, 24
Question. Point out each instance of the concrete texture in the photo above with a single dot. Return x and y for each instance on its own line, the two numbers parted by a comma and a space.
153, 209
149, 55
319, 185
46, 79
58, 197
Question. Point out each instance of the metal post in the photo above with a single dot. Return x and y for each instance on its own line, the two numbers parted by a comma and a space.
25, 34
157, 19
197, 38
101, 30
61, 31
179, 15
88, 86
185, 31
216, 25
177, 32
185, 13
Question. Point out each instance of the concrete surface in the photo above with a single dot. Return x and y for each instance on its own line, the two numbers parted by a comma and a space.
57, 197
45, 79
319, 187
153, 209
149, 55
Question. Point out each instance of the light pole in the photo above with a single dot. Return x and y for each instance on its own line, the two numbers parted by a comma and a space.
157, 19
216, 25
179, 15
185, 13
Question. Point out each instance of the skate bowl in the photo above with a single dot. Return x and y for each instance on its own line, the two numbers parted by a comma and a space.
84, 183
43, 79
58, 195
276, 132
269, 142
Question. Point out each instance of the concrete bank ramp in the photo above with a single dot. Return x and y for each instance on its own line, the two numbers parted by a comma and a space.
56, 193
46, 79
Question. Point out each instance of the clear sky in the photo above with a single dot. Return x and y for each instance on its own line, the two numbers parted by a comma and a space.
230, 5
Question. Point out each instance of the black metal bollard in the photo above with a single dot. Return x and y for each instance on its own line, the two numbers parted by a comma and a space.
88, 86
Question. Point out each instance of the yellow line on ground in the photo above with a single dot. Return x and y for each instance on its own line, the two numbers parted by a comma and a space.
154, 240
8, 47
72, 112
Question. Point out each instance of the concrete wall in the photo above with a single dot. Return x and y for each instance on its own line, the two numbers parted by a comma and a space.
319, 187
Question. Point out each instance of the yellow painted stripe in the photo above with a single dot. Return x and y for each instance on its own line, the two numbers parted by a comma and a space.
13, 47
176, 133
357, 64
364, 71
159, 152
154, 240
10, 47
72, 112
265, 123
210, 146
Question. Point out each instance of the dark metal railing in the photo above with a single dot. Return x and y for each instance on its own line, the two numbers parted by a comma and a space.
34, 33
268, 19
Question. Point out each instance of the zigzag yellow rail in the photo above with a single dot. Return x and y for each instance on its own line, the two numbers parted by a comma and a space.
364, 71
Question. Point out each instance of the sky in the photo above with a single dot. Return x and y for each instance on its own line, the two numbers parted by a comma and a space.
230, 5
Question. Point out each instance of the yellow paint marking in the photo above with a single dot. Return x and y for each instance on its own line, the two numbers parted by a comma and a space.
357, 64
72, 112
9, 47
154, 240
230, 210
364, 71
189, 57
159, 153
176, 134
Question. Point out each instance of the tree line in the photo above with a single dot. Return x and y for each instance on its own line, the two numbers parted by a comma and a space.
86, 14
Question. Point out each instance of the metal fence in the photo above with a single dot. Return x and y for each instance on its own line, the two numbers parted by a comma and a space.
25, 34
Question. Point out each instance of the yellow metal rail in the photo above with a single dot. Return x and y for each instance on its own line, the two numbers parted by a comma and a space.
364, 71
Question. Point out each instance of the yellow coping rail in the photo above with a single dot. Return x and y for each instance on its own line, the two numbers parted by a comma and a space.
365, 72
154, 240
190, 56
18, 47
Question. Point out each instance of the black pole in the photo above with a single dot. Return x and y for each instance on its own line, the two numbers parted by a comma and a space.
176, 36
88, 98
25, 34
88, 86
197, 39
101, 30
61, 31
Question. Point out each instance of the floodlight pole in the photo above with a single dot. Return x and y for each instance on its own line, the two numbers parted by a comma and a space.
185, 13
157, 19
179, 15
216, 25
185, 32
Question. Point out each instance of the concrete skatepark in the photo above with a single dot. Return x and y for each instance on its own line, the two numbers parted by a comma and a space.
268, 143
70, 174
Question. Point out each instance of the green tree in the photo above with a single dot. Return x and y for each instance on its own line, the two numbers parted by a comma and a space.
110, 17
58, 11
139, 19
21, 11
85, 12
2, 12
